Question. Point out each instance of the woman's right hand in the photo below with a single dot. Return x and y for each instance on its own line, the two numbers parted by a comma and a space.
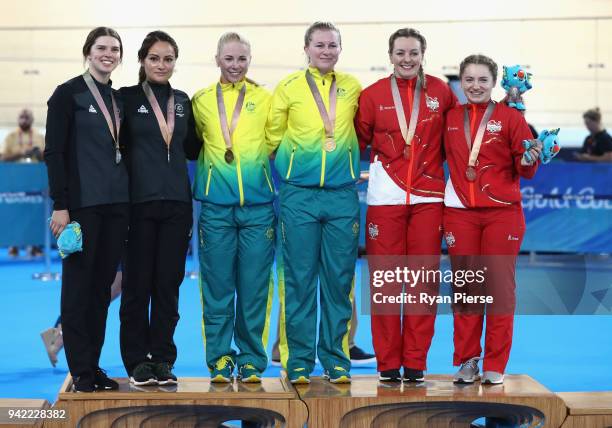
59, 220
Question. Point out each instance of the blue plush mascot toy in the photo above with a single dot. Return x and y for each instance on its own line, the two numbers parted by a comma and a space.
550, 145
516, 81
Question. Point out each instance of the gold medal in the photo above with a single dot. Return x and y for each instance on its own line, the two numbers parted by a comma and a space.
470, 174
330, 145
229, 156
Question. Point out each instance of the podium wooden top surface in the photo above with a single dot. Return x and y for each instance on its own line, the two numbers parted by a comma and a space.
588, 403
435, 386
187, 388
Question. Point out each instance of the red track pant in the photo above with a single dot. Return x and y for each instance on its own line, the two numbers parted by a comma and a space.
495, 234
404, 230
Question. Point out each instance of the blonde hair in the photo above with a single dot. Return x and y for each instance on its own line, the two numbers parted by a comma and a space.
323, 26
232, 37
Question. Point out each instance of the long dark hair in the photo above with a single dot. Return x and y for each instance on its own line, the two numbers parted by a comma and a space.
100, 32
152, 38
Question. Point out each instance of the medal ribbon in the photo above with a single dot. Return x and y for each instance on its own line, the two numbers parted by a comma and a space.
329, 120
474, 148
166, 126
225, 130
407, 130
102, 106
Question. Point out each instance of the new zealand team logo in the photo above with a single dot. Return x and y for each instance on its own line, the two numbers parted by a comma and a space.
432, 103
494, 126
373, 230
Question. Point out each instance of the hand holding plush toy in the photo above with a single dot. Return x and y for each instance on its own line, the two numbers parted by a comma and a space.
516, 81
549, 142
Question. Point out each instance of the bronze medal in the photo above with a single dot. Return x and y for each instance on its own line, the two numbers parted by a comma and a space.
229, 156
406, 151
470, 174
330, 145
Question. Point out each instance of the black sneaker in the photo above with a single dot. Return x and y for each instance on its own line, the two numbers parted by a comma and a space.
144, 374
413, 375
83, 384
103, 382
163, 373
359, 356
390, 376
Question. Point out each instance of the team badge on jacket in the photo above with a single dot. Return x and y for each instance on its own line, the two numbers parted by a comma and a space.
373, 230
92, 109
494, 126
142, 110
179, 110
450, 239
432, 103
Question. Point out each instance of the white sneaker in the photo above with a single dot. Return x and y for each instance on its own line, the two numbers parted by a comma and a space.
468, 372
492, 378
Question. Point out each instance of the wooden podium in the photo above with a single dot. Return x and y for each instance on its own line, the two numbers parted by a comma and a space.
365, 403
193, 402
437, 402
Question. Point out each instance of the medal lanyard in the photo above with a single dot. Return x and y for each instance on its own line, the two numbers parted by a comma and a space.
329, 120
474, 149
228, 131
407, 130
102, 106
166, 126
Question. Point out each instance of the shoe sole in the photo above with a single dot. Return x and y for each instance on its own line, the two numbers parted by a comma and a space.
489, 382
220, 379
341, 379
276, 363
302, 380
364, 361
167, 382
389, 379
251, 379
414, 380
147, 382
466, 381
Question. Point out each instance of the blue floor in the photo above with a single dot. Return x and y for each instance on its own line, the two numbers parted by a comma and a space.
565, 353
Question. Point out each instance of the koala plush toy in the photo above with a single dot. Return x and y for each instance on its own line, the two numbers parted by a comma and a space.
516, 81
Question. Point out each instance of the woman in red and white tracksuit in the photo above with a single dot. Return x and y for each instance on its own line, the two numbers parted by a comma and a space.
406, 154
483, 216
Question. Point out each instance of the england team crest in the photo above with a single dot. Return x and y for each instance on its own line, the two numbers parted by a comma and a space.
494, 126
450, 239
432, 103
373, 230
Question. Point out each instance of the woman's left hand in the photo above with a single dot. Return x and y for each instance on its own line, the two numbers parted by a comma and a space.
532, 155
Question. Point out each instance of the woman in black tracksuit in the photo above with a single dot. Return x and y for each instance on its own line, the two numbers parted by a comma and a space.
88, 183
159, 134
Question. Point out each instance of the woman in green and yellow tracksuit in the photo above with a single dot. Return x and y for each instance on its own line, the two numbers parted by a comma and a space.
317, 156
237, 220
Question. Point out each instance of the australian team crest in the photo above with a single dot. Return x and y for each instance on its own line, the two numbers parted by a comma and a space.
250, 106
432, 103
450, 239
373, 230
494, 126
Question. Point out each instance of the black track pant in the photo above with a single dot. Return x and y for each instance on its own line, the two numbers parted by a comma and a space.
86, 282
157, 248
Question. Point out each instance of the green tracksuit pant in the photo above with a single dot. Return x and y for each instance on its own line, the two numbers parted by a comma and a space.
319, 234
236, 257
